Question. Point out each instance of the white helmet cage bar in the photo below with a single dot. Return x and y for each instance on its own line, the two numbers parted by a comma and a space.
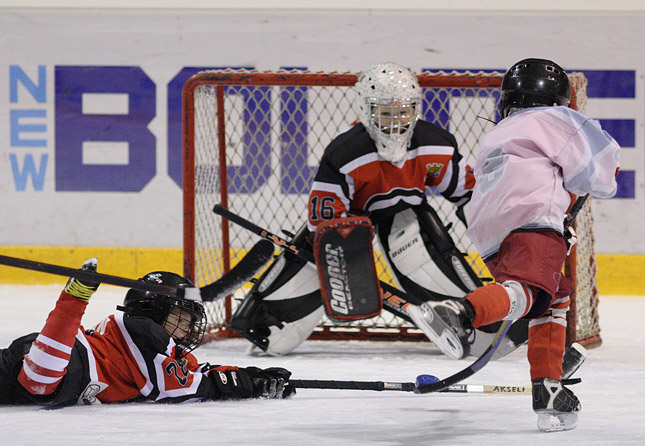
388, 99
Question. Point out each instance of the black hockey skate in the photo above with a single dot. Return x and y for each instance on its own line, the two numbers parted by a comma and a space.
557, 407
447, 323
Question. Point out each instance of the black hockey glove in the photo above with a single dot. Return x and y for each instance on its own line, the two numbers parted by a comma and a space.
231, 383
271, 383
250, 382
83, 290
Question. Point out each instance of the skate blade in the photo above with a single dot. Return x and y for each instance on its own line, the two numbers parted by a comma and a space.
550, 422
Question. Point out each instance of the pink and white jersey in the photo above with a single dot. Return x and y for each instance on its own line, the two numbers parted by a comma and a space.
525, 167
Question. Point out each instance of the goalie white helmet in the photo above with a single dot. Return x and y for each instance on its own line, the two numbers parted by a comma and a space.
388, 101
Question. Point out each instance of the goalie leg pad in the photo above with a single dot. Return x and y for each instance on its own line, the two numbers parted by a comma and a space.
423, 256
283, 307
279, 320
348, 281
290, 335
437, 237
410, 259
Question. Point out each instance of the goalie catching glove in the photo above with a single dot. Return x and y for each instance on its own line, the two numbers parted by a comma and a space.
251, 382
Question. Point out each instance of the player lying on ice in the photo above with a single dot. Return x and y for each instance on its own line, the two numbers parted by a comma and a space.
528, 165
142, 354
379, 167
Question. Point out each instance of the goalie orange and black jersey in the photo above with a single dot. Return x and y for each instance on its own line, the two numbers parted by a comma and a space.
353, 179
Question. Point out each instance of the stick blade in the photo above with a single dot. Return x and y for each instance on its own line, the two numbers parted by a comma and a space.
250, 265
574, 356
471, 369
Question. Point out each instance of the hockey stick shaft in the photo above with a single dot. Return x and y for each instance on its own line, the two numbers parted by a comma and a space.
575, 209
89, 276
574, 357
250, 265
380, 386
273, 238
351, 385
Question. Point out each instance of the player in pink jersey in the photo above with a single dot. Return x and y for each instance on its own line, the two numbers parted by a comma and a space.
529, 166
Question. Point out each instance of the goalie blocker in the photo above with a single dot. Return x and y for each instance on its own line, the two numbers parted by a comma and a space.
347, 275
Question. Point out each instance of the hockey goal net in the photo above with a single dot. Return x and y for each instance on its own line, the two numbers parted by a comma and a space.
252, 142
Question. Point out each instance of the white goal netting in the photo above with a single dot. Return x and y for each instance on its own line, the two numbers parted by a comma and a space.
253, 140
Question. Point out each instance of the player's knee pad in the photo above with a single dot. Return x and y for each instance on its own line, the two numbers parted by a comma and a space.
283, 307
422, 254
520, 298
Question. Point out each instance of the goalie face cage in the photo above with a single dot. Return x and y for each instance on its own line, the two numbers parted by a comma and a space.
253, 140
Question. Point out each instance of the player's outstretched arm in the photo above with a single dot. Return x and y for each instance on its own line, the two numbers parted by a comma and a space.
45, 364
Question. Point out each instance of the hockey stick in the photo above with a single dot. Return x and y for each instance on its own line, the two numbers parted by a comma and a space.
473, 368
380, 386
573, 212
490, 351
249, 266
574, 357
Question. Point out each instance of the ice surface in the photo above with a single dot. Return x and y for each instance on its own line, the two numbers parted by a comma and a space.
612, 393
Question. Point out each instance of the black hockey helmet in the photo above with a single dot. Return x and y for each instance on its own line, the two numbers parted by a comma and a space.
186, 324
534, 83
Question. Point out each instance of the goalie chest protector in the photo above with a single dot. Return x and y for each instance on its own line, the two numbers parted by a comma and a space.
345, 261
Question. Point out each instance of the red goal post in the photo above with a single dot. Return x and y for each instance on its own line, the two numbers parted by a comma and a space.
252, 142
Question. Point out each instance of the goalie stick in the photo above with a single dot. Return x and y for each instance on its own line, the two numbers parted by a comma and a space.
394, 300
245, 270
251, 264
574, 357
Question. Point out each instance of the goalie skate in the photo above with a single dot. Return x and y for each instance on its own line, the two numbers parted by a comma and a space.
445, 323
557, 407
